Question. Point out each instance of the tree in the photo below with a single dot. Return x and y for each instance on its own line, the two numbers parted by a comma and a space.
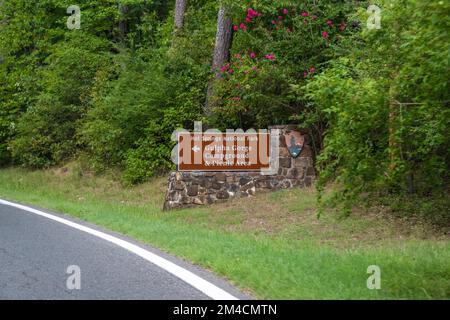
123, 25
180, 10
224, 37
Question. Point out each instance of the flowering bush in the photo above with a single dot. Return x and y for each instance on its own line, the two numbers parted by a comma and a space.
275, 43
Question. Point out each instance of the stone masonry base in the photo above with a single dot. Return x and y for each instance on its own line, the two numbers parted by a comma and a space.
188, 189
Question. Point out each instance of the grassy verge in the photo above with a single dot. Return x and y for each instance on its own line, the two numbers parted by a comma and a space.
271, 246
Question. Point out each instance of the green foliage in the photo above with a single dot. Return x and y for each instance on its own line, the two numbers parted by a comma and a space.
150, 156
46, 131
118, 97
376, 102
276, 43
157, 91
386, 105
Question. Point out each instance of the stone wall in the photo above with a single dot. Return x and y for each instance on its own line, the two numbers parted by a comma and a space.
187, 189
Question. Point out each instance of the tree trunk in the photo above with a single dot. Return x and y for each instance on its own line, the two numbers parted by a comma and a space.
180, 10
123, 24
224, 37
162, 9
392, 139
392, 125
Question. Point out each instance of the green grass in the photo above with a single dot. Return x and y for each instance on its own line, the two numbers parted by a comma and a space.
271, 246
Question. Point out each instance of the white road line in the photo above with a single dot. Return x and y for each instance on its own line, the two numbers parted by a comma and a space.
195, 281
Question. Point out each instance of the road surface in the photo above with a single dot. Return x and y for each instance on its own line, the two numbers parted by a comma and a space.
36, 252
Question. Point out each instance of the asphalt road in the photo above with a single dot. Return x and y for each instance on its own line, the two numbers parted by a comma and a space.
35, 253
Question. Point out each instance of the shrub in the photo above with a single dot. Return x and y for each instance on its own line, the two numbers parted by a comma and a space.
276, 43
46, 131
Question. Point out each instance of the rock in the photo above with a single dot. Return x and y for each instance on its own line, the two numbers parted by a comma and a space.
306, 152
311, 172
302, 162
284, 152
199, 200
222, 195
211, 199
308, 181
244, 180
282, 141
253, 174
230, 179
286, 184
186, 200
262, 184
186, 177
202, 191
221, 177
178, 185
274, 184
174, 195
217, 185
248, 186
292, 173
206, 183
192, 191
233, 188
300, 173
285, 162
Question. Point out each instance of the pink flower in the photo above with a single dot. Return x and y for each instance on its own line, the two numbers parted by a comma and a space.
236, 28
273, 22
305, 74
280, 18
270, 57
314, 17
325, 34
252, 55
223, 69
243, 26
251, 13
329, 22
285, 11
247, 20
237, 56
305, 14
230, 71
312, 70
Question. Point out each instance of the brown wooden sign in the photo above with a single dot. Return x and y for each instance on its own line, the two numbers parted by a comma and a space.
223, 151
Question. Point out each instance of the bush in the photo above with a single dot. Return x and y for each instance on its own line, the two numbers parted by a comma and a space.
276, 43
386, 108
157, 91
46, 131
